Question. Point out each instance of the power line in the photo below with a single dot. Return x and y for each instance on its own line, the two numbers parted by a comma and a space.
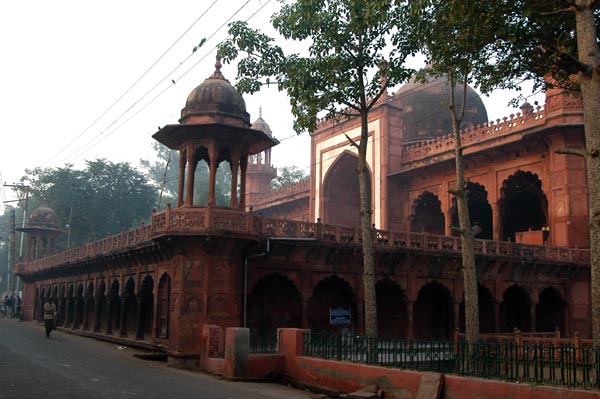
99, 137
134, 84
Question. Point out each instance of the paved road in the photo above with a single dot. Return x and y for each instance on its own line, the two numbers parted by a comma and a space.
69, 366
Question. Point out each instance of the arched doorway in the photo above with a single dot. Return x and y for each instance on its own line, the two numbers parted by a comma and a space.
480, 211
341, 199
164, 303
487, 317
147, 307
426, 215
274, 303
432, 312
550, 311
391, 309
514, 310
523, 204
332, 294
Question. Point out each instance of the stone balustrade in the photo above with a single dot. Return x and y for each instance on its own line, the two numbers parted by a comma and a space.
225, 221
487, 131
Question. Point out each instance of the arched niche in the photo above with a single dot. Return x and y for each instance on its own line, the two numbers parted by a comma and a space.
426, 215
523, 204
341, 195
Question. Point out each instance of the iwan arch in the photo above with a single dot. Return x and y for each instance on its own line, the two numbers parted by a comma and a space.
285, 258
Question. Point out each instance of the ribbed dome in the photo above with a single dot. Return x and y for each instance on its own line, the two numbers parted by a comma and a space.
263, 126
43, 216
216, 97
425, 114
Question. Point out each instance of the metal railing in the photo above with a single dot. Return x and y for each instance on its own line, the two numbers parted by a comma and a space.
262, 342
561, 364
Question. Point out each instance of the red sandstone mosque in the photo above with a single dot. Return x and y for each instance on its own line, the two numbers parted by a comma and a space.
291, 257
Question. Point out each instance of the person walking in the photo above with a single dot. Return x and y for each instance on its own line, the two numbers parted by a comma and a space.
49, 311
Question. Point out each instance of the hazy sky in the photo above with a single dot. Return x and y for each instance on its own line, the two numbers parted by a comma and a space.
64, 64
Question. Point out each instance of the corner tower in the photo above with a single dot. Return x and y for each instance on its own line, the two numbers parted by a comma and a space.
260, 171
214, 127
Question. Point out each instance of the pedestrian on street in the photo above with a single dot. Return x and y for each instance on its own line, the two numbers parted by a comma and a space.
49, 311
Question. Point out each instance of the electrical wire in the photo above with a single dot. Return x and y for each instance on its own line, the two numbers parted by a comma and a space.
134, 83
100, 137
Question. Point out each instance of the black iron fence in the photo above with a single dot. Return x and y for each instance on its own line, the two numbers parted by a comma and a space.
263, 342
560, 364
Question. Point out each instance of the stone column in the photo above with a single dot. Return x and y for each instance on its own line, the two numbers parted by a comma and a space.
410, 333
532, 307
496, 222
139, 328
305, 314
86, 313
76, 305
189, 192
243, 167
496, 317
123, 317
97, 308
61, 316
212, 172
182, 159
68, 314
235, 160
109, 312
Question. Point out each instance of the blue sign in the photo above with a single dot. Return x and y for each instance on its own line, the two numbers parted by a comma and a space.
340, 316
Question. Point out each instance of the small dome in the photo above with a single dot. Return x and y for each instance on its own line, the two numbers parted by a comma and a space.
216, 98
263, 126
424, 111
43, 216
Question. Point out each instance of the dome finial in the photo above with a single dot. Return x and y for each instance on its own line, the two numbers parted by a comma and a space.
260, 111
217, 74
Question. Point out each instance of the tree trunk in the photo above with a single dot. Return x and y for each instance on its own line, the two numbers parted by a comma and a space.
367, 231
466, 230
590, 90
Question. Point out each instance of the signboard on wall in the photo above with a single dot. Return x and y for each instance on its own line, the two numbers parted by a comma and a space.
340, 315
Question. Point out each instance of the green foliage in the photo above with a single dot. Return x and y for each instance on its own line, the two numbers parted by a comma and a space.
104, 198
287, 176
170, 160
350, 44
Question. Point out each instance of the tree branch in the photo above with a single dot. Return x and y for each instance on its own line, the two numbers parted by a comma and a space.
571, 151
352, 142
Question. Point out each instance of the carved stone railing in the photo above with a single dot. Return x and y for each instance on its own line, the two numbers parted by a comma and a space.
487, 131
284, 191
107, 245
225, 221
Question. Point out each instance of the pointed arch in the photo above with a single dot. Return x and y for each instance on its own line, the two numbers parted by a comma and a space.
432, 312
426, 214
340, 194
274, 303
480, 210
391, 309
331, 292
515, 309
523, 204
550, 311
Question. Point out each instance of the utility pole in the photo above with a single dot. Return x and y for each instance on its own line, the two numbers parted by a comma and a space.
15, 187
11, 259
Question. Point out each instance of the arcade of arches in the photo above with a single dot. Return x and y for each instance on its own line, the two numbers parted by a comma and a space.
138, 306
523, 207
